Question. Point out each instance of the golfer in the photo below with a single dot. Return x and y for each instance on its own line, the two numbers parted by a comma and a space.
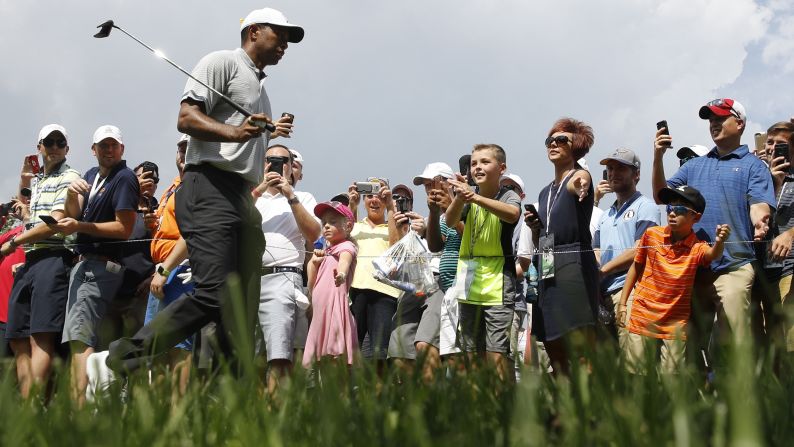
214, 207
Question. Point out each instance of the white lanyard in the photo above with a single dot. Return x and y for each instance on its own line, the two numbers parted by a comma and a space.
550, 203
95, 187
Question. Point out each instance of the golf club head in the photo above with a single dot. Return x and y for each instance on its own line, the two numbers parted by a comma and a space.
104, 29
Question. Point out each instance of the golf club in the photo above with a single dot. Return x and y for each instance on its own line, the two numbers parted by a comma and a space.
104, 31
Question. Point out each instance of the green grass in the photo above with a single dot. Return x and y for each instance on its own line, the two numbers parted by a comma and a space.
748, 405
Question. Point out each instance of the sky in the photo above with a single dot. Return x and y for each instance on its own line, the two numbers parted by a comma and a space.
383, 88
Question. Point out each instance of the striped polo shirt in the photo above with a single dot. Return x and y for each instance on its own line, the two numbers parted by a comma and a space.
234, 74
662, 295
48, 194
448, 266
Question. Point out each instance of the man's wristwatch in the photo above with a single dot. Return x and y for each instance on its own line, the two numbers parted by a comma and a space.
162, 271
293, 200
13, 242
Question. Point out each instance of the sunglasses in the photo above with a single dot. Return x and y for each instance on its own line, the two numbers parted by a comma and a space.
559, 139
378, 180
721, 103
679, 210
511, 187
48, 142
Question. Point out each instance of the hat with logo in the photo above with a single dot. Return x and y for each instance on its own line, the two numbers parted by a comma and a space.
723, 107
624, 156
272, 16
337, 207
515, 178
50, 128
434, 170
107, 131
694, 150
686, 193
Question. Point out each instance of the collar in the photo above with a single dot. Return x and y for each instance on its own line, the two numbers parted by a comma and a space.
631, 200
688, 241
372, 224
739, 152
260, 74
59, 169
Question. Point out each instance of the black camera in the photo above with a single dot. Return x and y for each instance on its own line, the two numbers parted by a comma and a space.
781, 150
402, 202
6, 208
277, 164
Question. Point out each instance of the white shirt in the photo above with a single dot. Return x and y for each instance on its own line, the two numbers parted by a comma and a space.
285, 243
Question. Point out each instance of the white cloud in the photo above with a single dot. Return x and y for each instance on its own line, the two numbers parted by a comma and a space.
385, 87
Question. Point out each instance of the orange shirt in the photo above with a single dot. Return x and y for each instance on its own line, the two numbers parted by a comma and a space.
166, 227
663, 294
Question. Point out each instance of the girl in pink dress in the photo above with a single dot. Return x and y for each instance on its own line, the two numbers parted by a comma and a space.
332, 332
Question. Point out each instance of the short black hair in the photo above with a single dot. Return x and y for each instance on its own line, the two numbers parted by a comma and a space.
291, 157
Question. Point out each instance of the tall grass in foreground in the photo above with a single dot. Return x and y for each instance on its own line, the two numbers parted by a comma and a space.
599, 405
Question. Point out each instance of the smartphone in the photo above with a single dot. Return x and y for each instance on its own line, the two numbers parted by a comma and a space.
464, 164
402, 203
288, 115
33, 161
47, 219
276, 164
367, 187
663, 125
530, 208
605, 176
760, 142
781, 150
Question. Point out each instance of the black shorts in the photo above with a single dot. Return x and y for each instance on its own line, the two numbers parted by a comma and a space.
38, 299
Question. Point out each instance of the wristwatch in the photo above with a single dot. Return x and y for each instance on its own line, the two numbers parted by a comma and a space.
13, 242
294, 200
162, 271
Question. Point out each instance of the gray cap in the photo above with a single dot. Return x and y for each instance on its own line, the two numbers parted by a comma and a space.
625, 156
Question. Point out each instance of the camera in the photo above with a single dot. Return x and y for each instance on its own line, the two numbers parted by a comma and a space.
277, 164
402, 202
288, 115
6, 208
781, 150
367, 187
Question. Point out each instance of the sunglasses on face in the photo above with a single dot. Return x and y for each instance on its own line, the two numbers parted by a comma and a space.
679, 210
559, 139
49, 142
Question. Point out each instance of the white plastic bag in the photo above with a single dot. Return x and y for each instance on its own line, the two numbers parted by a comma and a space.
406, 266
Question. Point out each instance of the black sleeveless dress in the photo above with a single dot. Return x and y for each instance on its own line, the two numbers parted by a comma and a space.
569, 299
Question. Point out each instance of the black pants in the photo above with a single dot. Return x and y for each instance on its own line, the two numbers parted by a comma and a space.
223, 230
373, 312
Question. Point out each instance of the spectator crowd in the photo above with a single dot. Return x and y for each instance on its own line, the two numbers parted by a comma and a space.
233, 261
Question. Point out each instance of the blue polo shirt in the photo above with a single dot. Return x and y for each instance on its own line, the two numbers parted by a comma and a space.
119, 192
730, 184
618, 230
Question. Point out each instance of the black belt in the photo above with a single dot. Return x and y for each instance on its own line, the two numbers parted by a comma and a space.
271, 270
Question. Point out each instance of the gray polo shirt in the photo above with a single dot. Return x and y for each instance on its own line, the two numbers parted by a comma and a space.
784, 220
234, 74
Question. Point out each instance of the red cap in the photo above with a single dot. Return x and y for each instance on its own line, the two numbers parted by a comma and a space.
723, 107
337, 207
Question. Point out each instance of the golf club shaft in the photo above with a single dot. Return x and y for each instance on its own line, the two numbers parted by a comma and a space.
270, 127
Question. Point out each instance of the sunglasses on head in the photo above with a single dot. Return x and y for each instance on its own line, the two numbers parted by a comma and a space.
679, 210
511, 187
721, 103
559, 139
686, 159
48, 142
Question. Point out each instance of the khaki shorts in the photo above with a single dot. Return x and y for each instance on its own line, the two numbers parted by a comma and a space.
668, 354
787, 300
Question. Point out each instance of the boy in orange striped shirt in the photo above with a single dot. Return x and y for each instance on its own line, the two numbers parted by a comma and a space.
664, 273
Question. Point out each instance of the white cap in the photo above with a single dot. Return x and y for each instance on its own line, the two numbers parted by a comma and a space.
434, 170
272, 16
297, 157
694, 149
515, 178
50, 128
583, 163
107, 131
183, 139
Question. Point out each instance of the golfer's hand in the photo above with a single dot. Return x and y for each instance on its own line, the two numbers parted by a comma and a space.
662, 143
156, 286
283, 128
248, 129
78, 187
67, 226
